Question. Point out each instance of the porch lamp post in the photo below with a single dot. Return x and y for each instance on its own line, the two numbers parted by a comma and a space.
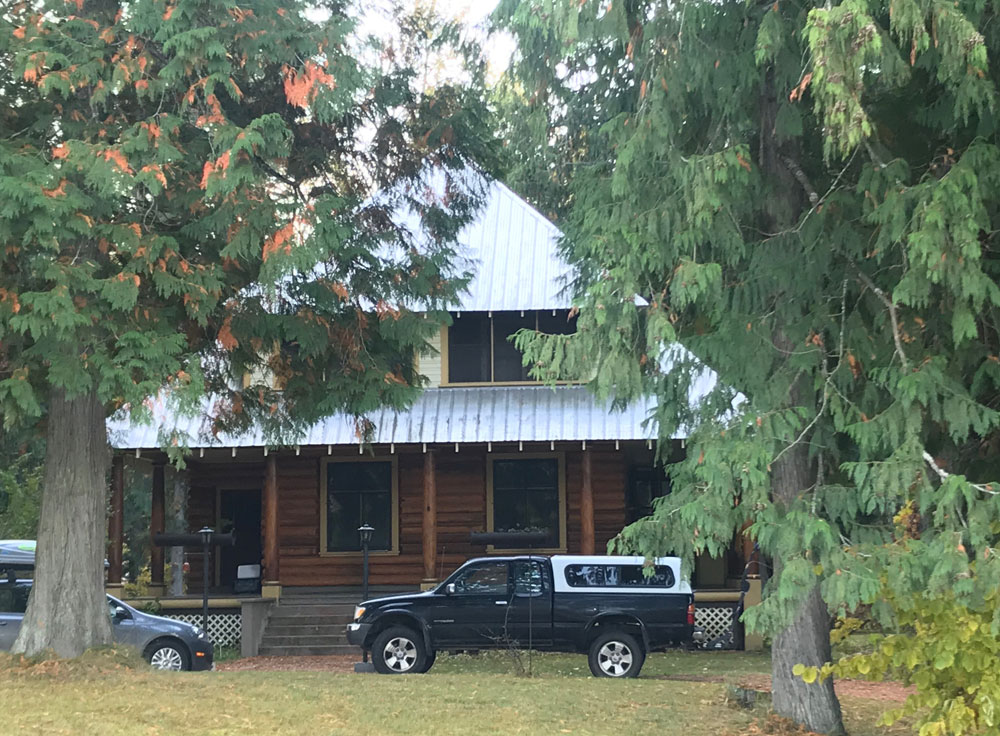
206, 545
366, 532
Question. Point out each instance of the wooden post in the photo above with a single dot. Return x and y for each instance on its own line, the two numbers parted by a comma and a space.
430, 519
116, 521
587, 507
271, 572
157, 515
178, 506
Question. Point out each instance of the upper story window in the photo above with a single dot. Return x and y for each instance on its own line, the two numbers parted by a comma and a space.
480, 351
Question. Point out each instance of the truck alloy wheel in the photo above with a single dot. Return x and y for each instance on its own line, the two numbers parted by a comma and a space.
398, 651
616, 654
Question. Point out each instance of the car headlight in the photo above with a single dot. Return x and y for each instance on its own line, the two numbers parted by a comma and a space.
359, 611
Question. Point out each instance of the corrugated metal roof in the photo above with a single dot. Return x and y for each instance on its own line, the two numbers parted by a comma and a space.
513, 252
439, 415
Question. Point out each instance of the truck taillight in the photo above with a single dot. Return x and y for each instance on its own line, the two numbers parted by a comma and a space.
691, 615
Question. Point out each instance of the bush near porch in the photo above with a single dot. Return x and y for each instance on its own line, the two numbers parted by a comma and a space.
111, 695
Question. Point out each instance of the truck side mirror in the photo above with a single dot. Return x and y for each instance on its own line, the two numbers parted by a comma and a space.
449, 589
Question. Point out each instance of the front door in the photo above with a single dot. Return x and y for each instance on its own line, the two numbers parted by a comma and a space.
474, 615
239, 512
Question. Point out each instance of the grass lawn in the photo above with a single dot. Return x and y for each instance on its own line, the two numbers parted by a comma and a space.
462, 695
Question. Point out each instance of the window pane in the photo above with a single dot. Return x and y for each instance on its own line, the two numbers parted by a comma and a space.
485, 578
528, 578
507, 358
469, 348
526, 498
585, 576
358, 493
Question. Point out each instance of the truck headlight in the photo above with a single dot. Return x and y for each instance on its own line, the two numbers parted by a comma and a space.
359, 611
200, 632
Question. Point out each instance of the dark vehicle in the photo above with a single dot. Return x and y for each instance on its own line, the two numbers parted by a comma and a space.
606, 606
166, 644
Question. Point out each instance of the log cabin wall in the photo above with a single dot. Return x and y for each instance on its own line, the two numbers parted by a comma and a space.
461, 508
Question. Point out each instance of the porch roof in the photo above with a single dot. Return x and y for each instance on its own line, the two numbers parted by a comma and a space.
439, 415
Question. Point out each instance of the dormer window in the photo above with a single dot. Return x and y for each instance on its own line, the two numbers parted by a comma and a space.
477, 348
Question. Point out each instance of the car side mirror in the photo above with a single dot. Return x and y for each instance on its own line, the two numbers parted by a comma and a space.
120, 613
449, 589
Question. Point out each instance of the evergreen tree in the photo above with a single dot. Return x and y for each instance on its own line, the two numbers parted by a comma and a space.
194, 191
807, 198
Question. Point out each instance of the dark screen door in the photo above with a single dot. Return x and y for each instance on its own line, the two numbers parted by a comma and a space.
239, 512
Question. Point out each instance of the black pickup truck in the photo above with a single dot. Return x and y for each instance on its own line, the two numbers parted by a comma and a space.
609, 607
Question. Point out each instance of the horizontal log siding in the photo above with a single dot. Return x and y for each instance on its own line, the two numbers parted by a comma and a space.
461, 502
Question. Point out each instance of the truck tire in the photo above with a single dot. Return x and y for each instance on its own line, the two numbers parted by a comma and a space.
616, 654
428, 661
399, 651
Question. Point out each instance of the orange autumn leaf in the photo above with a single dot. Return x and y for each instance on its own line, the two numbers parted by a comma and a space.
340, 290
218, 166
274, 243
19, 32
59, 191
642, 89
226, 337
157, 172
300, 89
118, 158
141, 85
742, 161
170, 12
801, 88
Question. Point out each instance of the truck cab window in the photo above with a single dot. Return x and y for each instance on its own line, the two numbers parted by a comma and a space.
485, 578
529, 578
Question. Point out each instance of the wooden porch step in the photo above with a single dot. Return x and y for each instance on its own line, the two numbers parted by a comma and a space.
309, 620
284, 610
297, 640
308, 650
282, 628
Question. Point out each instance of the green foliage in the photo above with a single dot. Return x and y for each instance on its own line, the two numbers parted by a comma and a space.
188, 195
20, 496
947, 651
806, 199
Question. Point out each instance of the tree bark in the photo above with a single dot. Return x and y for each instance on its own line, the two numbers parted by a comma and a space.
67, 610
178, 508
807, 639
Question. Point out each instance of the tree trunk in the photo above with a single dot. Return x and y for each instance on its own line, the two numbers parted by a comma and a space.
67, 610
807, 639
178, 506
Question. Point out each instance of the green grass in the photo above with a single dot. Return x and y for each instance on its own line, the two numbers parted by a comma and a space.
465, 695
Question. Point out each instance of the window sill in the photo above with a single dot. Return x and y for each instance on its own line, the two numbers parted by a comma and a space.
359, 554
491, 550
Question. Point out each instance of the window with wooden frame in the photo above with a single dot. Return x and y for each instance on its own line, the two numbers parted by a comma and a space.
527, 493
354, 492
476, 349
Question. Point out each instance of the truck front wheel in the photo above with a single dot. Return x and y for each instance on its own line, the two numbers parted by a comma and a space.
616, 654
399, 651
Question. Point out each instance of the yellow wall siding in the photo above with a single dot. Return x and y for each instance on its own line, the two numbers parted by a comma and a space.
430, 361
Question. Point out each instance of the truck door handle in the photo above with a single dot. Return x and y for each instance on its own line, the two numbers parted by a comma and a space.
501, 603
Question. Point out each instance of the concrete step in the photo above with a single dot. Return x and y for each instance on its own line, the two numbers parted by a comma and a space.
271, 640
309, 650
324, 629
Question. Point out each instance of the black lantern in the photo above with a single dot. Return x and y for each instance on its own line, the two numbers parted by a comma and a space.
366, 531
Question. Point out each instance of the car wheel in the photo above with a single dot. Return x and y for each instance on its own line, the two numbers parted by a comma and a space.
399, 651
616, 654
428, 661
166, 654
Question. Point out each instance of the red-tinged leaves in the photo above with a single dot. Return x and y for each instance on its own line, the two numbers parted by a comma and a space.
226, 337
118, 158
11, 298
642, 89
19, 32
801, 88
280, 240
142, 85
169, 13
742, 161
59, 191
300, 88
218, 166
157, 172
60, 151
339, 289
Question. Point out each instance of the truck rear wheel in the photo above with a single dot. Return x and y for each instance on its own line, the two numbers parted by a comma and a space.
399, 651
616, 654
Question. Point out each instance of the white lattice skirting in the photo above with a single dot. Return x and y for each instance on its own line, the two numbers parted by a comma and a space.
224, 629
717, 622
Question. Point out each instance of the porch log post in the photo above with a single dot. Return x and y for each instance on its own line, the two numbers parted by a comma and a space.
587, 507
271, 572
157, 515
116, 521
430, 518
